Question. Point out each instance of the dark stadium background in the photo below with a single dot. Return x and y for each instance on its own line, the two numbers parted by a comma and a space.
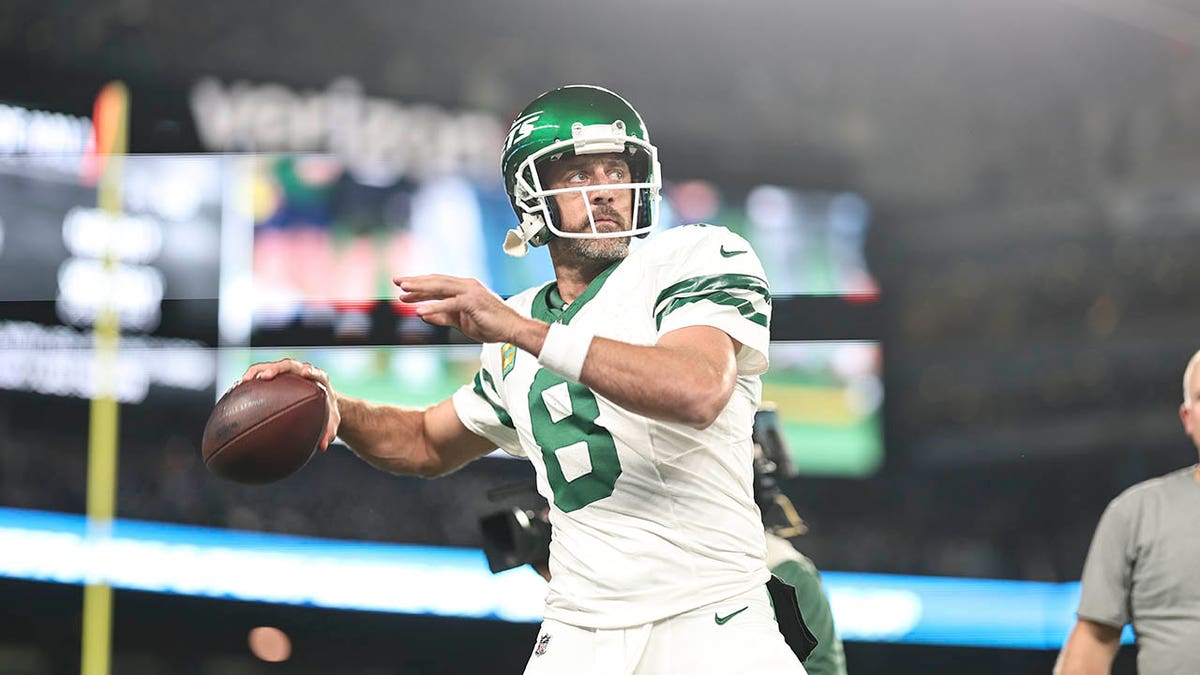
1031, 170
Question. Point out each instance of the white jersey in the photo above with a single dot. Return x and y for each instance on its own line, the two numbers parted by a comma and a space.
650, 518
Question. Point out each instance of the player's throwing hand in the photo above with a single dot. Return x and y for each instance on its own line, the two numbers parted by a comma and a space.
462, 303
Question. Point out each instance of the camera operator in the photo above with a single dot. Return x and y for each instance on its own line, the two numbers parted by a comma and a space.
772, 463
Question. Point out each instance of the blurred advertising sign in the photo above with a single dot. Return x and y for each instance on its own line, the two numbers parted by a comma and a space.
379, 139
47, 139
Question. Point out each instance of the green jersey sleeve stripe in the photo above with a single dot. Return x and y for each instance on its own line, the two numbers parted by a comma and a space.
712, 282
501, 413
744, 306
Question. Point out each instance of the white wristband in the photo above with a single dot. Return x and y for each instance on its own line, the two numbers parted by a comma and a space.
565, 349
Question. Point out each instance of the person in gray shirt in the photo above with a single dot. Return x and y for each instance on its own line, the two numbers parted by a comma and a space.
1143, 568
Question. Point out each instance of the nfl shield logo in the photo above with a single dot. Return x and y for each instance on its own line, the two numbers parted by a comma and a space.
542, 643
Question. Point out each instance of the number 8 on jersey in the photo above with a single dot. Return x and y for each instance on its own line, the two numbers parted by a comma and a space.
563, 417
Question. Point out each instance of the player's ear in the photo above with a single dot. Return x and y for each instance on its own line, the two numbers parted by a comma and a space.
1186, 417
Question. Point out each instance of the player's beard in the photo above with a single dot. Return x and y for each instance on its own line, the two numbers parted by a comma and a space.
603, 250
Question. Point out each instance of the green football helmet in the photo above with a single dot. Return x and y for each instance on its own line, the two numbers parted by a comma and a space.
579, 120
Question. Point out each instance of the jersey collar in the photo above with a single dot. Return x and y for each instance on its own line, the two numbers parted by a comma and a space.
548, 304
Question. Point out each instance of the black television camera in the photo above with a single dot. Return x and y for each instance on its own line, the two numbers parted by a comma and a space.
516, 536
773, 463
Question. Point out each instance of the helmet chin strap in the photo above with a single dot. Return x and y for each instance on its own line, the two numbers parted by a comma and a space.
516, 242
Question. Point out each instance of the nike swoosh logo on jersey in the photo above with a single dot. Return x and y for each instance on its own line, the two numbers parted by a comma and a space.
722, 620
730, 254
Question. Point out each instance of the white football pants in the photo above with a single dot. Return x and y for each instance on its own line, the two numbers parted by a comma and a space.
734, 636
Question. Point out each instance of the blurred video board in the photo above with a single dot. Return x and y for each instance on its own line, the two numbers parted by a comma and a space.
327, 241
63, 261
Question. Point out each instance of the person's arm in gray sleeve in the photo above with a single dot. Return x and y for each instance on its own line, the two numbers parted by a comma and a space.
1089, 650
1104, 601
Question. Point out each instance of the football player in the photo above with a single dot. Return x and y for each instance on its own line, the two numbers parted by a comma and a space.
630, 382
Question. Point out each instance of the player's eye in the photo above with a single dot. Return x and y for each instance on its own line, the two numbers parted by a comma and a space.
616, 174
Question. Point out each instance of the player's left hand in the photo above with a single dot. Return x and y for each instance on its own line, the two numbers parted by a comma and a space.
462, 303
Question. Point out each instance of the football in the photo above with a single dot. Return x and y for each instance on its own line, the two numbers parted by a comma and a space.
264, 430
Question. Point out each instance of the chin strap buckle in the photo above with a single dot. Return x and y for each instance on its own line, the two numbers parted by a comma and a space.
516, 242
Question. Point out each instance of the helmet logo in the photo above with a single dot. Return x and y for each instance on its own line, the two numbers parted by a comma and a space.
522, 127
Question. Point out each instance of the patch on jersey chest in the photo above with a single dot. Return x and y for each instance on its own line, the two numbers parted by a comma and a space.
542, 644
508, 359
